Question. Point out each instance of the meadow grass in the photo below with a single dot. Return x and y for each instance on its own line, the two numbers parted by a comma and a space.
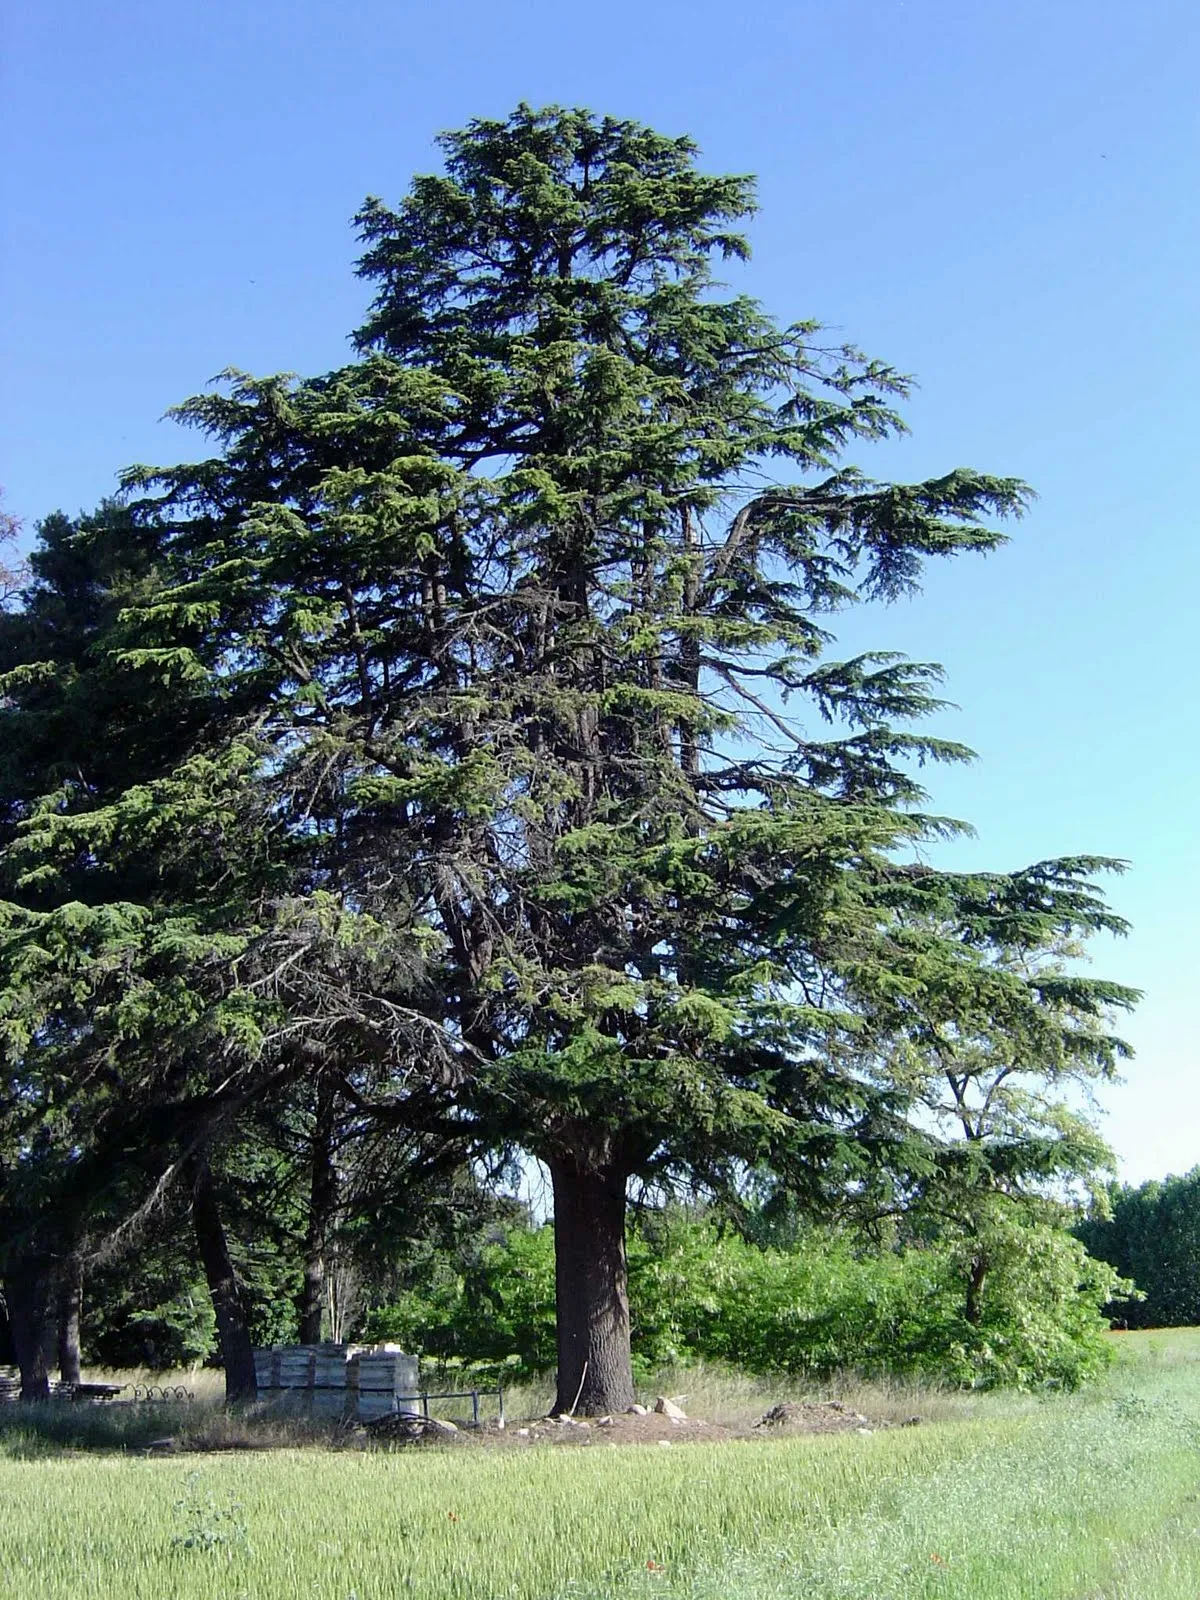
1089, 1497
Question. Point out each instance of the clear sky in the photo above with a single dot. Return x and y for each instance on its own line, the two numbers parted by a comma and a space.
997, 197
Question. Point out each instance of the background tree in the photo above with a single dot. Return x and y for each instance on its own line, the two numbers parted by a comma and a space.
1151, 1234
11, 574
168, 950
983, 1021
55, 717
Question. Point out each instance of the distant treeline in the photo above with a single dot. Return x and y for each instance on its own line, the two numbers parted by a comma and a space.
1153, 1237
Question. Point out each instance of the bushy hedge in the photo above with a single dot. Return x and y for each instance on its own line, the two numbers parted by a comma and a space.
826, 1304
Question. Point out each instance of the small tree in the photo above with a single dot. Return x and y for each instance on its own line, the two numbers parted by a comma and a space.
13, 573
982, 1021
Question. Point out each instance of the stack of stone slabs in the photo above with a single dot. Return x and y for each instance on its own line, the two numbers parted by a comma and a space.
330, 1389
384, 1380
337, 1380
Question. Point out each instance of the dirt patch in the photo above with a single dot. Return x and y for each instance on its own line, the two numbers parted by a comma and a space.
405, 1428
642, 1427
815, 1416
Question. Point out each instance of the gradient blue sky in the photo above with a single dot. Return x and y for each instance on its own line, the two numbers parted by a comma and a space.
999, 198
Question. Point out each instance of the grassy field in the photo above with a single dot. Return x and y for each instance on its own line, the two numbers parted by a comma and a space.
1092, 1497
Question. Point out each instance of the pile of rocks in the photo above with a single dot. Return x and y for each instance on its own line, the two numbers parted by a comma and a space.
811, 1416
636, 1423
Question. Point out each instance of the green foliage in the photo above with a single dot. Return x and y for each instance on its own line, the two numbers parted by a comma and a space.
148, 1314
827, 1303
506, 595
492, 1307
209, 1525
1151, 1234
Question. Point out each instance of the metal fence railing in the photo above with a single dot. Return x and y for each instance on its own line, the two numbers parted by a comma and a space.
473, 1395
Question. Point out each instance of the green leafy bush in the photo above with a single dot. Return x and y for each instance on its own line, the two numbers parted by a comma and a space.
494, 1308
149, 1309
827, 1303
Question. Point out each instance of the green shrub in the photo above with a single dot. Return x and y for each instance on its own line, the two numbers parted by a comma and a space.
494, 1309
828, 1303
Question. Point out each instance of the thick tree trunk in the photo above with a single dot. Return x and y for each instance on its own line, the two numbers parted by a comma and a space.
237, 1356
29, 1289
591, 1288
323, 1199
70, 1310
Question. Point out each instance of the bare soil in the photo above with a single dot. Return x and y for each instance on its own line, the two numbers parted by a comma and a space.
650, 1428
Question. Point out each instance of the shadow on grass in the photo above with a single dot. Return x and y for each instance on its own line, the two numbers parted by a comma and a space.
62, 1428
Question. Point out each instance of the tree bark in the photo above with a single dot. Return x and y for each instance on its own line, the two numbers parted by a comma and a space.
975, 1283
591, 1287
29, 1289
237, 1356
323, 1198
70, 1310
8, 1354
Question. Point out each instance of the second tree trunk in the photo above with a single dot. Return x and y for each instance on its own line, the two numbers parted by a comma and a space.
70, 1310
237, 1356
322, 1208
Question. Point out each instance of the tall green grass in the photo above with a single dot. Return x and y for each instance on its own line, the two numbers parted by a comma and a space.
1092, 1497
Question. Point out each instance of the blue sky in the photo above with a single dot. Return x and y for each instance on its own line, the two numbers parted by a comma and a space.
999, 198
